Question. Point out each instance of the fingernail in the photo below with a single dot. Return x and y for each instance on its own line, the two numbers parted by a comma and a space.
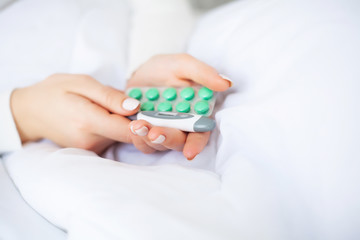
143, 131
130, 104
132, 130
227, 79
159, 139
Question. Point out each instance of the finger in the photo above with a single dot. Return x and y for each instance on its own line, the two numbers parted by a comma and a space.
193, 69
110, 98
141, 145
112, 126
195, 143
101, 145
170, 138
140, 130
97, 120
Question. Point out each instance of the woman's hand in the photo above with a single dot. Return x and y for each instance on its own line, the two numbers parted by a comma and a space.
177, 70
73, 111
148, 139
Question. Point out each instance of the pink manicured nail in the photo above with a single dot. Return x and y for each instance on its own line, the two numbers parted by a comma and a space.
143, 131
227, 79
132, 129
130, 104
160, 139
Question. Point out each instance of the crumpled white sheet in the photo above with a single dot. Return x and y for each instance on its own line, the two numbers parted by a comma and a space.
283, 163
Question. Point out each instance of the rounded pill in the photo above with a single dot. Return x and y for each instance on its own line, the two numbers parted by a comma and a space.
183, 107
201, 107
187, 93
152, 94
205, 93
164, 107
169, 94
147, 106
136, 93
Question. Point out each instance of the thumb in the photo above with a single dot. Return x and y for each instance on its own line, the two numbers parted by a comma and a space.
109, 98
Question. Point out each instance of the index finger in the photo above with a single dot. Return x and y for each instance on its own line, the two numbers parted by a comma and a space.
171, 138
108, 125
193, 69
110, 98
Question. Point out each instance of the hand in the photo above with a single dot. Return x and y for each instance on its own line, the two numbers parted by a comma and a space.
177, 70
149, 139
73, 111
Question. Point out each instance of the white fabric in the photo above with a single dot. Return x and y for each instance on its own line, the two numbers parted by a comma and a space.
112, 200
283, 163
18, 220
158, 27
289, 143
101, 42
9, 137
4, 3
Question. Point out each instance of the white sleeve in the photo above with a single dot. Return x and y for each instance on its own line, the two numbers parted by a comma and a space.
158, 27
9, 137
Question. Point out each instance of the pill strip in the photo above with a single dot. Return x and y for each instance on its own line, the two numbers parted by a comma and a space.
195, 100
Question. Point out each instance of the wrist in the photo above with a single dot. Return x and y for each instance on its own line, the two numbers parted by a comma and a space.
24, 121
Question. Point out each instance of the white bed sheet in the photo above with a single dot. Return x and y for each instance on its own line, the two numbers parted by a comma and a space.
283, 163
18, 220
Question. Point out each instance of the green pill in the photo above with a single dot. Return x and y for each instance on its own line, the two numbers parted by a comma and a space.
152, 94
205, 93
147, 106
201, 107
136, 93
183, 107
187, 93
164, 107
169, 94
